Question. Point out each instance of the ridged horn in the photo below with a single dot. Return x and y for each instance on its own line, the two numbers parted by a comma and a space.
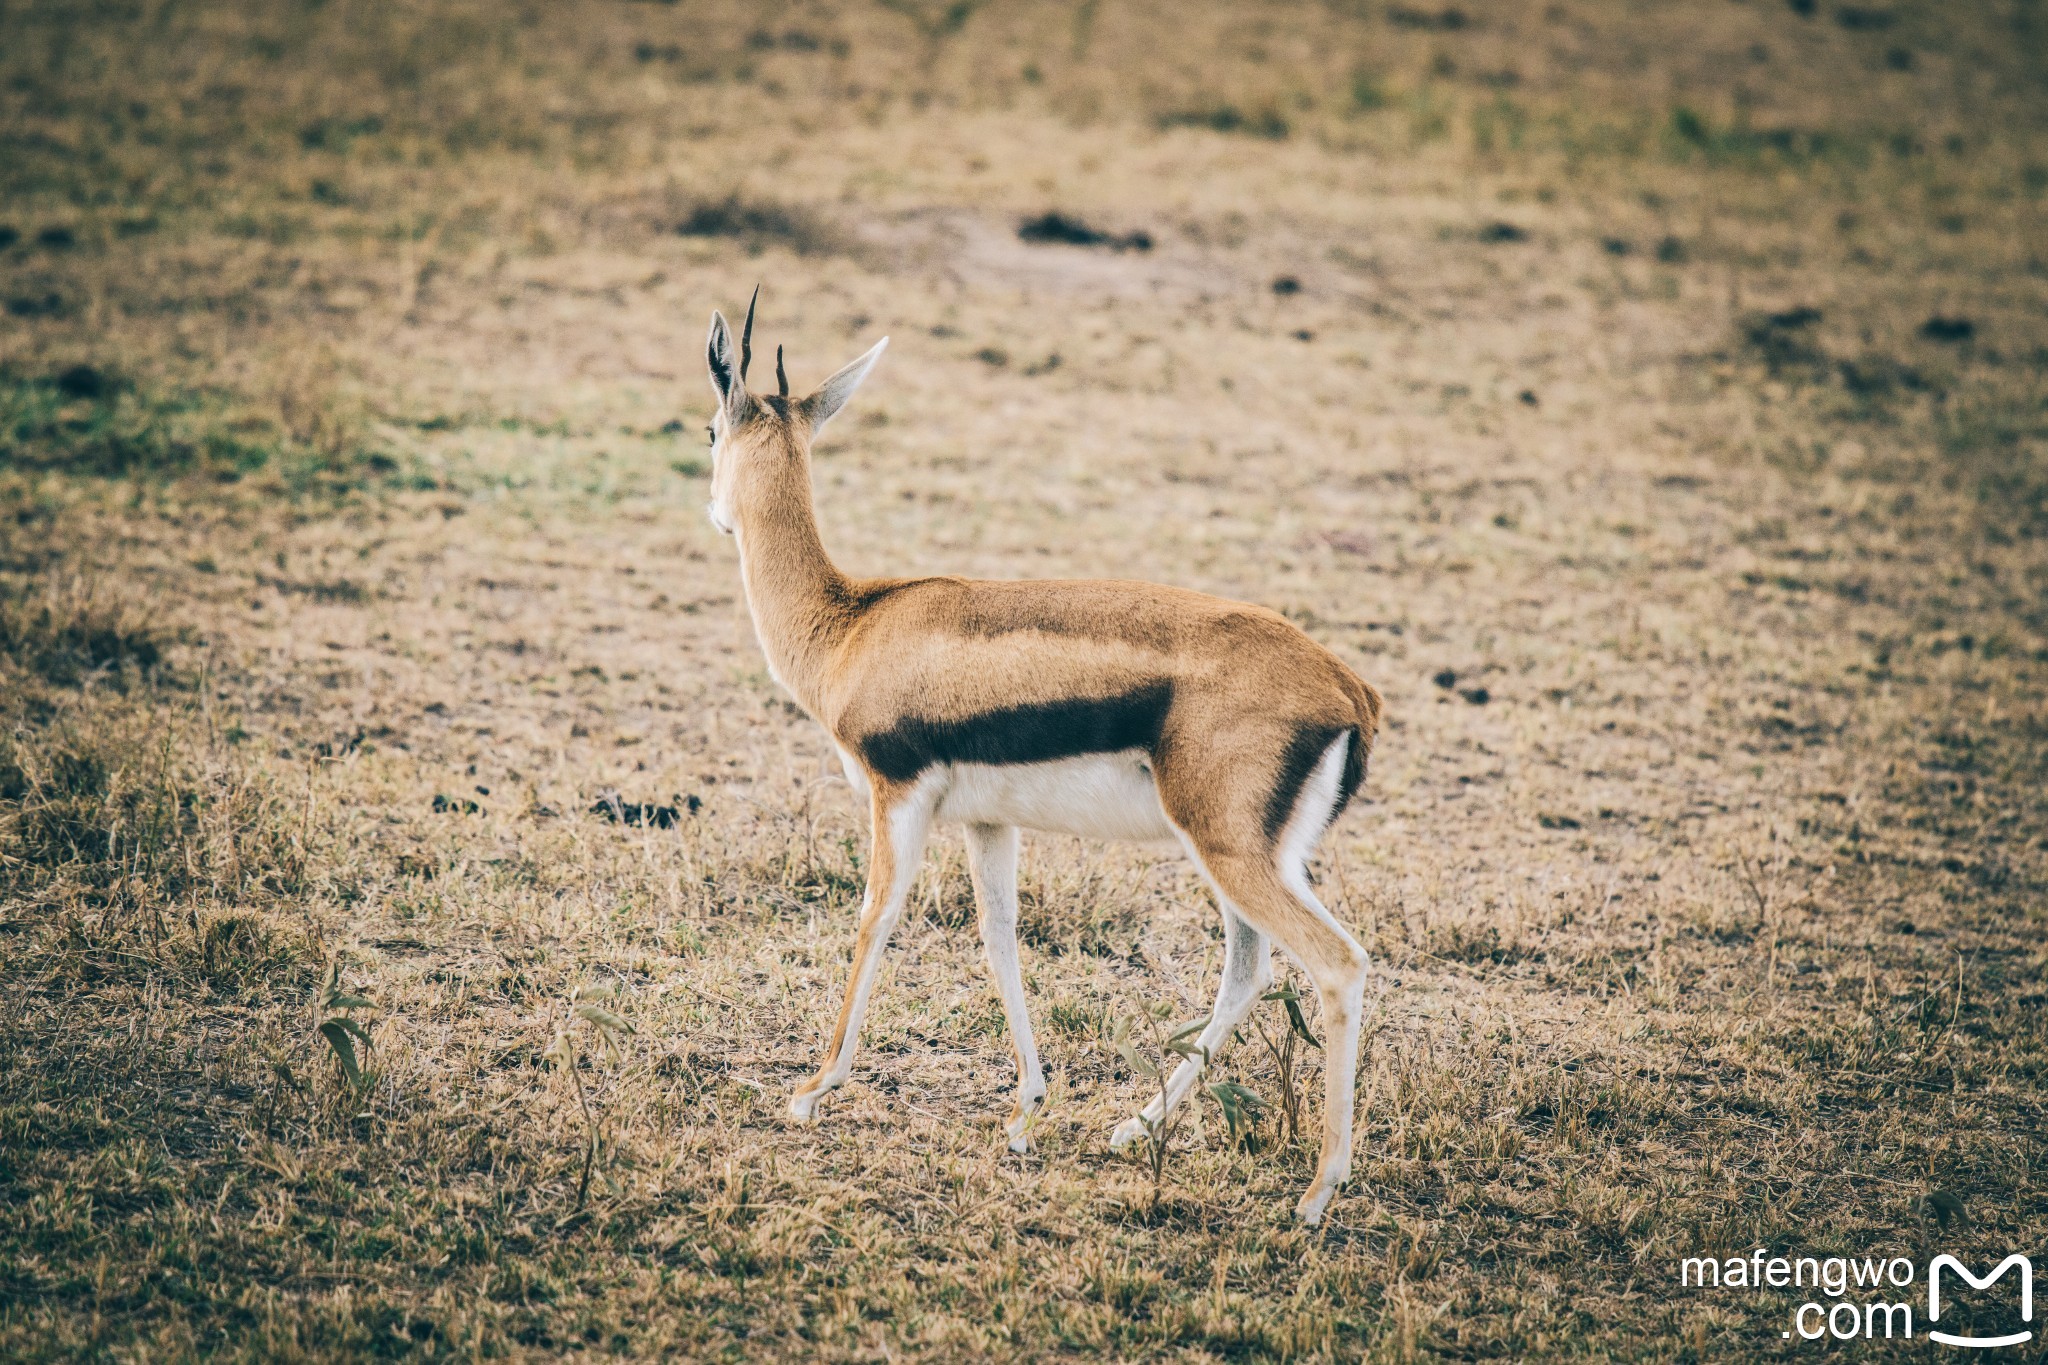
747, 335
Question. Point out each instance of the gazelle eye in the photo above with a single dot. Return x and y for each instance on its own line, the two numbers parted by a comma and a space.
711, 435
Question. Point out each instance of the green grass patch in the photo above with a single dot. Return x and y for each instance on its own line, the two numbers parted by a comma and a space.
96, 423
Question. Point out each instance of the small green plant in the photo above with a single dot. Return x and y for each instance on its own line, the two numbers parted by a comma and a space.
1179, 1043
1240, 1104
338, 1025
582, 1008
1286, 1055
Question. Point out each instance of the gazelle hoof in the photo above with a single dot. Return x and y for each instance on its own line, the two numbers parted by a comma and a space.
1127, 1132
1018, 1128
1310, 1209
804, 1106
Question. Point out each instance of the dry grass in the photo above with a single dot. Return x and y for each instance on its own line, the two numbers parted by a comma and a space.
352, 485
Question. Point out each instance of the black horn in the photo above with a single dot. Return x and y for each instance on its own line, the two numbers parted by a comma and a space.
747, 335
781, 378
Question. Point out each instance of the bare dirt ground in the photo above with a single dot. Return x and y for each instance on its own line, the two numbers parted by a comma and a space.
1650, 401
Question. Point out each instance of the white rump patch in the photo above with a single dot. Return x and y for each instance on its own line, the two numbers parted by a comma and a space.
1313, 810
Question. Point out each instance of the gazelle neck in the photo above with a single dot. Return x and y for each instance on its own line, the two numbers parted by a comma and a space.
797, 596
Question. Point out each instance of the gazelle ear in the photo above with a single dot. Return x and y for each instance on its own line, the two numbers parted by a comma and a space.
724, 361
833, 393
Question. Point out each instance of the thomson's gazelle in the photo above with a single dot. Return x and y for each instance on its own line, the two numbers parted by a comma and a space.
1112, 709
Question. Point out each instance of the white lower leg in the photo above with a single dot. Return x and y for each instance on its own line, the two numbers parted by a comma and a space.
992, 865
1343, 1013
899, 846
839, 1064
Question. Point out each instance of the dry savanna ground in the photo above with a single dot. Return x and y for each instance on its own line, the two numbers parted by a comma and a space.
416, 901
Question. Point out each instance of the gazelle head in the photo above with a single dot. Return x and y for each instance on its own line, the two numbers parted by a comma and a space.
754, 438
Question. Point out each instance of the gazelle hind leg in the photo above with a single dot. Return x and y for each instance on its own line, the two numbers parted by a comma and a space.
1340, 978
1266, 878
1338, 968
902, 819
1285, 907
1247, 971
992, 864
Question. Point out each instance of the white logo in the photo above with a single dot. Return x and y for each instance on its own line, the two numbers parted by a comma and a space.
2026, 1268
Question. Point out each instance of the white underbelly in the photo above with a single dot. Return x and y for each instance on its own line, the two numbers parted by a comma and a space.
1099, 796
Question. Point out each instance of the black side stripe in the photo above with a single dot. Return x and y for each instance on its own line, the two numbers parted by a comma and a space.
1036, 733
1302, 754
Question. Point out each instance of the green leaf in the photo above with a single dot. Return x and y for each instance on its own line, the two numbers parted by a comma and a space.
1135, 1062
332, 997
1240, 1105
1227, 1103
1298, 1021
1180, 1042
329, 985
344, 1048
1242, 1094
594, 990
347, 1025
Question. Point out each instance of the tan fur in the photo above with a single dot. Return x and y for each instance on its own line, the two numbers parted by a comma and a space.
1227, 700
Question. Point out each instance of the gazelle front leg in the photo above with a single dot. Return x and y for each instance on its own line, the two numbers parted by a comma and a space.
901, 818
992, 863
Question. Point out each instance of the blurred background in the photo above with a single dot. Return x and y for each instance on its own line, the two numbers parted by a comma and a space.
416, 900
